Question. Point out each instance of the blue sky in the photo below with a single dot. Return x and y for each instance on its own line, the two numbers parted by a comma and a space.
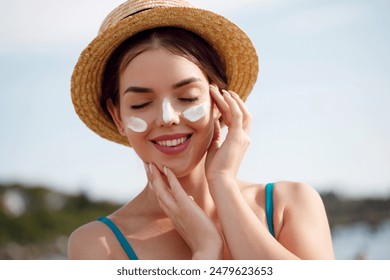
320, 106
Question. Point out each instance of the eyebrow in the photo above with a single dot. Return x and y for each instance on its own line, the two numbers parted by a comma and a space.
180, 84
138, 90
185, 82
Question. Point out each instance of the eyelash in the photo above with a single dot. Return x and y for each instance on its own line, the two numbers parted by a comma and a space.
191, 99
141, 106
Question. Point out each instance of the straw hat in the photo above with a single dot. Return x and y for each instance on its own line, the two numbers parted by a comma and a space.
231, 43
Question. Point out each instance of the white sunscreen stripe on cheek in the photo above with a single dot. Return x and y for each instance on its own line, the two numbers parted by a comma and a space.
167, 110
197, 112
137, 124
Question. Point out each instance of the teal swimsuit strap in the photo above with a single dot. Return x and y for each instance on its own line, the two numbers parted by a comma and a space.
122, 240
269, 207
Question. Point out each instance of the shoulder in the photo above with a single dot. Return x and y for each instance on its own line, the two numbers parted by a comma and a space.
290, 194
284, 192
90, 241
296, 199
300, 218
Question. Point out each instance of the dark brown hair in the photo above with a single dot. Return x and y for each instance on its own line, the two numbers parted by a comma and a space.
177, 41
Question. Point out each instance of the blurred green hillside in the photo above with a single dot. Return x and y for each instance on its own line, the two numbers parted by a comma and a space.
35, 221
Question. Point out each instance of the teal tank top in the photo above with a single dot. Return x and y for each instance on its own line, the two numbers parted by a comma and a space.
269, 209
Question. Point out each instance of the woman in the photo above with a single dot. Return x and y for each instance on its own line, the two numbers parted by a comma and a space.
163, 77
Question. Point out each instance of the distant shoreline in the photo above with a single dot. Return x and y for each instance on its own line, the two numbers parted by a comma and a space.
36, 221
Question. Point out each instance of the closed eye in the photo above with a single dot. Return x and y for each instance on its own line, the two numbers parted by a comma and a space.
190, 99
140, 106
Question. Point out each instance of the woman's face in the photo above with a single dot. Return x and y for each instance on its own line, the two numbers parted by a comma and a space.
165, 110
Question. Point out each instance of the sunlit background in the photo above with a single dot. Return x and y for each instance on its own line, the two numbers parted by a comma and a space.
320, 106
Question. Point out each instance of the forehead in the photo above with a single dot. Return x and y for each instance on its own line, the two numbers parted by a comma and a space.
159, 66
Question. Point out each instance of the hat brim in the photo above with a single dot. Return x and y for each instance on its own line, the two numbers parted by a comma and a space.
231, 43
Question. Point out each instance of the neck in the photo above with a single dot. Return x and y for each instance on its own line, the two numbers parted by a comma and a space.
195, 185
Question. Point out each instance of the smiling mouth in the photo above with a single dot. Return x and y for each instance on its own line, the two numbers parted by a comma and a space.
172, 142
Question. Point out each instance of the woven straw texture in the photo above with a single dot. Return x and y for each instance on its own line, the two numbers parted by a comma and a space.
231, 43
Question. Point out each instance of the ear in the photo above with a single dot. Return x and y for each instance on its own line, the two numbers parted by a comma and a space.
116, 116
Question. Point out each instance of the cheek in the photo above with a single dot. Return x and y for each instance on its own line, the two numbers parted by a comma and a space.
198, 112
136, 124
202, 120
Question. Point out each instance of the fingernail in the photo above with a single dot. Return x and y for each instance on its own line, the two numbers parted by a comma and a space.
225, 92
150, 168
165, 170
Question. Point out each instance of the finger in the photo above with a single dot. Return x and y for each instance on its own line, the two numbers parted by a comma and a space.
177, 189
165, 208
220, 102
215, 142
235, 112
240, 102
159, 187
217, 131
247, 116
172, 215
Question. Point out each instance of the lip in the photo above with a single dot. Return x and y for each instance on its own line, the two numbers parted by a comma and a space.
172, 150
171, 136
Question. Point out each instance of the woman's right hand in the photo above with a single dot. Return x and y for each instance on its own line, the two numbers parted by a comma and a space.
224, 158
192, 223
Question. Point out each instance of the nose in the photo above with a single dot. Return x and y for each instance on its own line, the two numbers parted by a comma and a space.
168, 116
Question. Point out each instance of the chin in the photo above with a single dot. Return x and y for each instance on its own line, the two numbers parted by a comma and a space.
181, 169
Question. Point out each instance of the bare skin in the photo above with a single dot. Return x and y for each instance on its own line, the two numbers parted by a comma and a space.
193, 206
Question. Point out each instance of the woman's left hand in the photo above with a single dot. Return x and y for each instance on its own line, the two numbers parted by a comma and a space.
191, 222
224, 159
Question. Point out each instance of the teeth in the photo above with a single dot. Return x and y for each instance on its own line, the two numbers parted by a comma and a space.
172, 143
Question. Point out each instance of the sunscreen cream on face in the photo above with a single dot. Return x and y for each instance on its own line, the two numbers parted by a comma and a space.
167, 110
137, 124
197, 112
